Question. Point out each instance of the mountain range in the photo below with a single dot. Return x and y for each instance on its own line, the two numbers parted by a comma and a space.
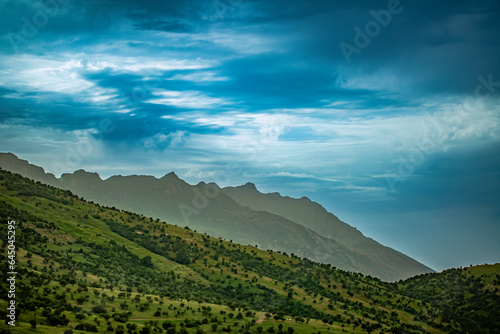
83, 267
240, 214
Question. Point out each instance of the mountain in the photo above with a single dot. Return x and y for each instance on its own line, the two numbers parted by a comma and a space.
11, 162
209, 209
315, 217
82, 267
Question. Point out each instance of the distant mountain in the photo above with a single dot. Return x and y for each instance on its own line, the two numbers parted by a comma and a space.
209, 209
11, 162
315, 217
303, 211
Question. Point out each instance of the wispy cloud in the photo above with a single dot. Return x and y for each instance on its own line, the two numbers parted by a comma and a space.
186, 99
263, 85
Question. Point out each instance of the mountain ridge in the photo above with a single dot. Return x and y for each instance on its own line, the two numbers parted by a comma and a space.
315, 217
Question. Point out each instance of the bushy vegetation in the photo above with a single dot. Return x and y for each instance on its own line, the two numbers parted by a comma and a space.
464, 300
86, 268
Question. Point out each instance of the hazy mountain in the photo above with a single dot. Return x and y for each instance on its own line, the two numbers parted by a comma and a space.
208, 209
11, 162
315, 217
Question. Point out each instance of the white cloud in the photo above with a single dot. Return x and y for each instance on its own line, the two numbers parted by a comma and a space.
186, 99
31, 74
66, 75
161, 141
146, 65
200, 76
246, 43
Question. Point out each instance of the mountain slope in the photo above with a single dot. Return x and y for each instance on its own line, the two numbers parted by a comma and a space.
166, 198
313, 216
90, 268
206, 208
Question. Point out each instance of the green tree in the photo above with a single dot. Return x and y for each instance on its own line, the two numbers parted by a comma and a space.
146, 261
182, 257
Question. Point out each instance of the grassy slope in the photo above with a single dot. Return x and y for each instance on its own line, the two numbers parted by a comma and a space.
76, 255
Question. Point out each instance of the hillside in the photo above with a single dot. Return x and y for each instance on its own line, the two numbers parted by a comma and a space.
469, 296
208, 209
315, 217
86, 267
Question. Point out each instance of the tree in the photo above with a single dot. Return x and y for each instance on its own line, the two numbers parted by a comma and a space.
166, 324
98, 309
146, 261
182, 257
290, 330
120, 329
278, 317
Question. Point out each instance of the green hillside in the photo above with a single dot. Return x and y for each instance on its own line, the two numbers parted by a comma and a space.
466, 297
208, 209
82, 268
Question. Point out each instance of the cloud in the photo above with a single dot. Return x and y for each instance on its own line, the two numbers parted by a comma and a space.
194, 86
173, 26
162, 141
200, 76
186, 99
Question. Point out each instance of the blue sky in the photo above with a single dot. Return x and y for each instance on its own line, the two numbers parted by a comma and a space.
385, 112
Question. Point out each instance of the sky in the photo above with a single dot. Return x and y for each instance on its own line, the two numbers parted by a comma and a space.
385, 112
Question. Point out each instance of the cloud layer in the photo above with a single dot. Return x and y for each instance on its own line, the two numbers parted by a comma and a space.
386, 112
